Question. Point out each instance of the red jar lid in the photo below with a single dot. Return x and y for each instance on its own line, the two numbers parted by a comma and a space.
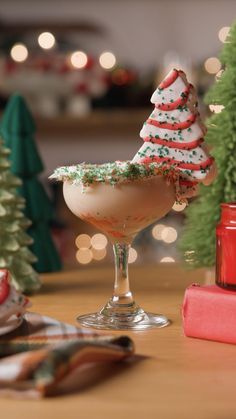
231, 205
228, 212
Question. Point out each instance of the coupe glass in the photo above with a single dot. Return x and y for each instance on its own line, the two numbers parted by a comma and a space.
121, 211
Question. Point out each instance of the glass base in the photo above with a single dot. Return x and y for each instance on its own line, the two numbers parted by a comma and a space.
141, 320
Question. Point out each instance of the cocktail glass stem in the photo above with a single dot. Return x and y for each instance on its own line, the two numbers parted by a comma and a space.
121, 294
122, 303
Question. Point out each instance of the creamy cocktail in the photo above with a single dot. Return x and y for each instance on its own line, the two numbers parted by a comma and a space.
121, 211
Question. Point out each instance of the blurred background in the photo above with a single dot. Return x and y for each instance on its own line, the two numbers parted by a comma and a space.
87, 70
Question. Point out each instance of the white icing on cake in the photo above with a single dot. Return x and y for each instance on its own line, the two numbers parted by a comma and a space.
172, 92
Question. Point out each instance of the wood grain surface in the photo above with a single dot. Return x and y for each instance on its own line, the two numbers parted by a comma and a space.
171, 377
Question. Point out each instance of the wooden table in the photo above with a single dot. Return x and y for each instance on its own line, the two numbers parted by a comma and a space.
174, 378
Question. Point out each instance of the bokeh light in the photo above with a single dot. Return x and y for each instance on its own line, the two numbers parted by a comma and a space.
223, 33
169, 234
107, 60
19, 53
157, 230
46, 40
216, 108
79, 59
167, 259
132, 255
99, 254
99, 241
212, 65
83, 241
84, 256
179, 206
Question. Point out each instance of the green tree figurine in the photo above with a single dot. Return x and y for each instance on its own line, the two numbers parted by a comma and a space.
198, 240
14, 252
18, 129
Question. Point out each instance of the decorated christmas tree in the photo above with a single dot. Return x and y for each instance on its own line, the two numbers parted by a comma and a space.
14, 252
198, 241
18, 129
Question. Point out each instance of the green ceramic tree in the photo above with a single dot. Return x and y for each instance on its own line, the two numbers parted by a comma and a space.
18, 129
14, 242
198, 241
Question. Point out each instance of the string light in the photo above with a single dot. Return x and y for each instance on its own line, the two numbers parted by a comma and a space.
84, 256
99, 241
212, 65
107, 60
167, 259
46, 40
79, 59
99, 254
169, 235
223, 33
83, 241
19, 53
157, 230
216, 108
179, 206
132, 255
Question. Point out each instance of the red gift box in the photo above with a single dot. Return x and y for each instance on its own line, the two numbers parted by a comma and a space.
209, 312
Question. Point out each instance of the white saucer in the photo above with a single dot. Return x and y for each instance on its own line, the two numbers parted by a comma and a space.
11, 324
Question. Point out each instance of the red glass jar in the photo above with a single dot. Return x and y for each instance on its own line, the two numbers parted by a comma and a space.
226, 247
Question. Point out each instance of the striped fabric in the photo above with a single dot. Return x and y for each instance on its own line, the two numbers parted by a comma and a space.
43, 352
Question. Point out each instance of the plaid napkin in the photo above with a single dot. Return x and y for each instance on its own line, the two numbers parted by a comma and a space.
42, 353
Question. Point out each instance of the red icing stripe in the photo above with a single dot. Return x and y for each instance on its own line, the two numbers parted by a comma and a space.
181, 165
174, 125
169, 80
178, 102
183, 182
173, 144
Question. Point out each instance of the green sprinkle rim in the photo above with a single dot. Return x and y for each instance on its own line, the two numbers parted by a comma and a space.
112, 173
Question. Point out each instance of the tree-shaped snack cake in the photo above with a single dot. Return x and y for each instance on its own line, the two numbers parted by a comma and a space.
18, 129
173, 134
14, 242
